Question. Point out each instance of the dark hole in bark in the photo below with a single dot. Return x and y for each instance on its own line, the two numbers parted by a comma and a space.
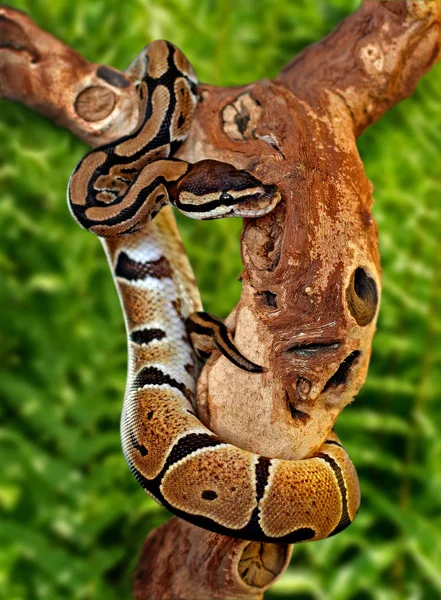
303, 387
364, 285
311, 349
268, 298
362, 297
341, 375
295, 413
209, 495
242, 121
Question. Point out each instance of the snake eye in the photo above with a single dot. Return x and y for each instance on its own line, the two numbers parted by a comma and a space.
362, 297
226, 197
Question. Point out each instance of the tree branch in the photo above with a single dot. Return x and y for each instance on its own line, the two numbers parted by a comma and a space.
298, 133
96, 102
373, 59
182, 561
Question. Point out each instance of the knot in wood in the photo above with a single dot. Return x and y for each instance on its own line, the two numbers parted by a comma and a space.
373, 58
13, 37
261, 563
95, 103
240, 118
303, 388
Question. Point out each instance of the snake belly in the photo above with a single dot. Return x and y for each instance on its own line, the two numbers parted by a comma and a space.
116, 192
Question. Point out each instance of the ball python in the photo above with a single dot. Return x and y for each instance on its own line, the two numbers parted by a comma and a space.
115, 191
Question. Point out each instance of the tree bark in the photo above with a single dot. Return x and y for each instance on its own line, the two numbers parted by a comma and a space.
373, 59
182, 561
298, 314
96, 102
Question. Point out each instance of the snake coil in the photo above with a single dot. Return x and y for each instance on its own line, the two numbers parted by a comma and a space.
115, 192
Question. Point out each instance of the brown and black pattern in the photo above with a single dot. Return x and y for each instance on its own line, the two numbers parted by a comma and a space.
130, 269
207, 333
154, 376
146, 335
115, 192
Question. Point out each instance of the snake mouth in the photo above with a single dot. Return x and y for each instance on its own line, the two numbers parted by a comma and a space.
255, 208
251, 208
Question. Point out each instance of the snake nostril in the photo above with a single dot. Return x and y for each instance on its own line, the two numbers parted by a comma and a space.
341, 375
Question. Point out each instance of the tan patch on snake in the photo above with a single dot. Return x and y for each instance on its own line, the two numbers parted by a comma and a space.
154, 201
160, 103
183, 113
142, 306
300, 494
119, 170
183, 65
156, 352
165, 169
143, 93
80, 179
349, 476
114, 180
158, 419
157, 54
217, 483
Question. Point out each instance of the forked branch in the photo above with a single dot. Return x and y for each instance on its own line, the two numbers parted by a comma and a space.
373, 59
298, 133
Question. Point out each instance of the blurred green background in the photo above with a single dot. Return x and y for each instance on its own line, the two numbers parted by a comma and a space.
72, 517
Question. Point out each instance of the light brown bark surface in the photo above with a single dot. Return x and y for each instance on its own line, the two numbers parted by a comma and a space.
205, 565
96, 102
299, 132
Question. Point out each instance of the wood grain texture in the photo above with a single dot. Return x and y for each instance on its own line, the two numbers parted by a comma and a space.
41, 72
197, 565
299, 132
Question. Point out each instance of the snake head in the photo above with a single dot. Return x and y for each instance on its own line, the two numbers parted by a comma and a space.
212, 190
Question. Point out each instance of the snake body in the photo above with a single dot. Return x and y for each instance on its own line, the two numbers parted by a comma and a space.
115, 192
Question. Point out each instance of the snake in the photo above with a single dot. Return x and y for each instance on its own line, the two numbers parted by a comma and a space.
115, 192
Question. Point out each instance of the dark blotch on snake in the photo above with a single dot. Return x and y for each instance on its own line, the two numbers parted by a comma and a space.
145, 336
262, 474
209, 495
190, 443
154, 376
140, 447
181, 120
130, 269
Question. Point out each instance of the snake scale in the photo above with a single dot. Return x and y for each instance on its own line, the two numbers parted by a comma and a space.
115, 191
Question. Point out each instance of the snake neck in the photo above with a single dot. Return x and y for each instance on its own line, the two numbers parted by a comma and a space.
157, 292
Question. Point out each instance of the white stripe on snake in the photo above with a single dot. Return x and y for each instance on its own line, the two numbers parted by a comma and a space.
115, 192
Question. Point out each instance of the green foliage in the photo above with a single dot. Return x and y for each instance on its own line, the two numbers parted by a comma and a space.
73, 518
